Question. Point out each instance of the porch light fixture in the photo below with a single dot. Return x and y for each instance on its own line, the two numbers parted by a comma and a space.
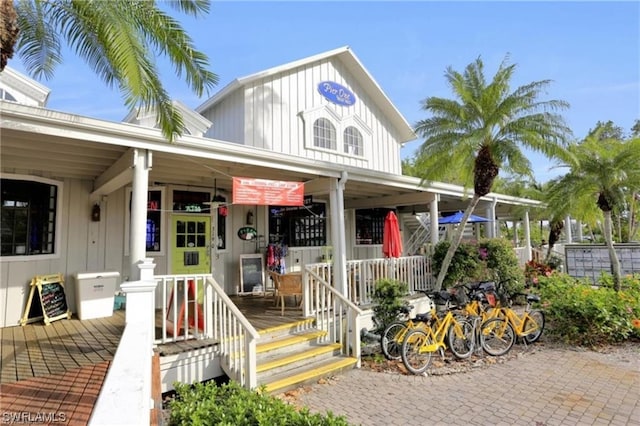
250, 217
95, 213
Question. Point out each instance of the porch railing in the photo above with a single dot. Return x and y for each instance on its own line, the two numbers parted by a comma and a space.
236, 336
184, 311
415, 271
334, 313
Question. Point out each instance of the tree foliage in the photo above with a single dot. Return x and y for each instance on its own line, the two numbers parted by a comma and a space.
119, 40
602, 173
483, 130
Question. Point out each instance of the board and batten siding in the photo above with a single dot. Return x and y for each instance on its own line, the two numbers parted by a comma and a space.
279, 110
227, 118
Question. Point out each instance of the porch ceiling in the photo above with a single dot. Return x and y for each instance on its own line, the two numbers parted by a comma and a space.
25, 150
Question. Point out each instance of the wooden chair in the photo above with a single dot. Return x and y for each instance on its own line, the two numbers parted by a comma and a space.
288, 285
275, 277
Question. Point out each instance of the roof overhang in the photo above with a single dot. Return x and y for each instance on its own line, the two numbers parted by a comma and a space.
59, 145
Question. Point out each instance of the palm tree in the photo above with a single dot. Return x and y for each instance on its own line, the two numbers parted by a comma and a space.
482, 132
602, 173
119, 39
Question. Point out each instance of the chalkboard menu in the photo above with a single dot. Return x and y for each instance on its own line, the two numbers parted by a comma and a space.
251, 273
47, 300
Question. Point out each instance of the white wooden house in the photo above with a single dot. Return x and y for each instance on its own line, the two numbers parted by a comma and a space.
103, 196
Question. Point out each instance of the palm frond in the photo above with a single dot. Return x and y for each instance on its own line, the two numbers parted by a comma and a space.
38, 41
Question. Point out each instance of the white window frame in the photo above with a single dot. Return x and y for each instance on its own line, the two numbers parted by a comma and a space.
309, 118
58, 222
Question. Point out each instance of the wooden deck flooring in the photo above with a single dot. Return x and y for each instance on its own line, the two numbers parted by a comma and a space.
37, 350
58, 370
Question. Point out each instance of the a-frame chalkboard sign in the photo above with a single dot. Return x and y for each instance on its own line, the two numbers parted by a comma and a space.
47, 300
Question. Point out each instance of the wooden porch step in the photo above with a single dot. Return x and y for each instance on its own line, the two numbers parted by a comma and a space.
294, 339
297, 357
309, 373
286, 329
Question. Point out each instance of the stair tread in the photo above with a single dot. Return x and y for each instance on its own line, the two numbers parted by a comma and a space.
305, 323
289, 340
299, 355
308, 372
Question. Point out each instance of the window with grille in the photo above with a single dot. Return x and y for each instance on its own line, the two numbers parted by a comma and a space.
352, 141
28, 211
324, 134
298, 226
370, 225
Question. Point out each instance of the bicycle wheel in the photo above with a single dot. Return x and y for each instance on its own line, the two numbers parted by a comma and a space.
533, 326
391, 342
497, 336
415, 360
461, 342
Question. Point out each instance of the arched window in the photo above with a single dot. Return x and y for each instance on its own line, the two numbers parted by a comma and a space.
352, 141
324, 134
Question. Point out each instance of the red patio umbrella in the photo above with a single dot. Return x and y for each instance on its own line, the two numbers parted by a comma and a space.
391, 239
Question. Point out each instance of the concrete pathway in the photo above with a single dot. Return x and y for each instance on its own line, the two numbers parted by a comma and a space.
541, 387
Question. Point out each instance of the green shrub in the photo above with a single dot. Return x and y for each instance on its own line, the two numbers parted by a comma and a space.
387, 299
487, 259
230, 404
464, 267
502, 263
583, 314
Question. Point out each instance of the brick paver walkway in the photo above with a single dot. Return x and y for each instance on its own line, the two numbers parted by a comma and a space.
545, 387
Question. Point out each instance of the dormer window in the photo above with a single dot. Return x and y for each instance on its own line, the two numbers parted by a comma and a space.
327, 132
352, 141
324, 134
4, 95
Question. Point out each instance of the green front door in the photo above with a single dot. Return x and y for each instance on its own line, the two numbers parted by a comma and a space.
191, 238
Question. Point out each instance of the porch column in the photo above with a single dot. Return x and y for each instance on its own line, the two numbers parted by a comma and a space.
338, 240
568, 232
140, 305
138, 233
490, 213
579, 235
433, 222
516, 241
527, 236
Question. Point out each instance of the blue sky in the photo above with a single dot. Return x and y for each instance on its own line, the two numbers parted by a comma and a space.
591, 51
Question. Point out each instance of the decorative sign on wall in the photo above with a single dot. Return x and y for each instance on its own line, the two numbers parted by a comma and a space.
266, 192
247, 233
336, 93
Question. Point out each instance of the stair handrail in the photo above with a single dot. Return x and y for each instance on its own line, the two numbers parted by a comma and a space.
421, 235
330, 307
236, 337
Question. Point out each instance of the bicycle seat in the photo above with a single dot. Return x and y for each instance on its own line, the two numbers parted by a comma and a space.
426, 317
532, 298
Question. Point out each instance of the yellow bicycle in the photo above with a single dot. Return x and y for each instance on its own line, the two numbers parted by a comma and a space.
420, 344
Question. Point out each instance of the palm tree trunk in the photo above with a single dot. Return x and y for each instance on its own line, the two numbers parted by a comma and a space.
8, 31
455, 241
613, 256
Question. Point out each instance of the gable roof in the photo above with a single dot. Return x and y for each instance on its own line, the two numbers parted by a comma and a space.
353, 65
195, 123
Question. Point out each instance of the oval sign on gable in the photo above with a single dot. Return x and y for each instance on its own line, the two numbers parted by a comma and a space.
336, 93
